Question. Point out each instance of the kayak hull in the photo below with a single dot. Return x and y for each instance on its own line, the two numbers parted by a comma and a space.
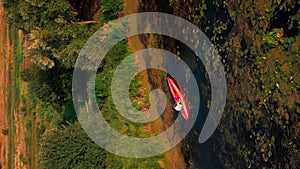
177, 94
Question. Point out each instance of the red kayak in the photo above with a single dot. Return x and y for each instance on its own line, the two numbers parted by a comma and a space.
178, 94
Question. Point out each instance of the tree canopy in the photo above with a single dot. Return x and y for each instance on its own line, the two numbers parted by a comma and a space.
70, 147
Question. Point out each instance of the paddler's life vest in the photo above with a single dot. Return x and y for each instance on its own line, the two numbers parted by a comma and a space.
178, 107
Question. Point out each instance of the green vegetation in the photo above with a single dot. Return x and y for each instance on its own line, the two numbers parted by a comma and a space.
110, 9
70, 147
54, 36
13, 89
259, 49
50, 33
108, 110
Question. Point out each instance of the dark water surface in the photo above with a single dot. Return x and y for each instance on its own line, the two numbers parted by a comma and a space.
198, 155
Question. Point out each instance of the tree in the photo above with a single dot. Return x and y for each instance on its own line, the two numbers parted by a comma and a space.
70, 147
110, 9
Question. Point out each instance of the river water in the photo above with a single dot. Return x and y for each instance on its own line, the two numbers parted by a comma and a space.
197, 156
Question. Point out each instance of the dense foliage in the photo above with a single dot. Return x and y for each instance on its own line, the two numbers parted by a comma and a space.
70, 147
54, 36
52, 32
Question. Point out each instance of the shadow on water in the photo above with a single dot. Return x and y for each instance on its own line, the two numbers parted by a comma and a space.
198, 155
202, 156
205, 155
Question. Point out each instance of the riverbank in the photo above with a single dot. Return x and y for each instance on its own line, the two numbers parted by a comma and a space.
174, 157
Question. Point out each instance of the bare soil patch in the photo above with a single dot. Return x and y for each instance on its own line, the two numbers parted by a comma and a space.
5, 64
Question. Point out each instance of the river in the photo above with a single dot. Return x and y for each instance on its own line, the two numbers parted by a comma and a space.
196, 155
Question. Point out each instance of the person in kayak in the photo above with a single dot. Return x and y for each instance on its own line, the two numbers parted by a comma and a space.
177, 106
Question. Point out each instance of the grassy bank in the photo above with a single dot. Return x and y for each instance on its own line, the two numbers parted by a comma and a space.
13, 87
174, 157
117, 121
42, 102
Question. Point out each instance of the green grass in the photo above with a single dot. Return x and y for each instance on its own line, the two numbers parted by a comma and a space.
33, 132
117, 162
30, 119
14, 88
36, 110
113, 117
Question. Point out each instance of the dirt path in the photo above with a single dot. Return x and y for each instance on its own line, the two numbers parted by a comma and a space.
173, 158
5, 63
12, 132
